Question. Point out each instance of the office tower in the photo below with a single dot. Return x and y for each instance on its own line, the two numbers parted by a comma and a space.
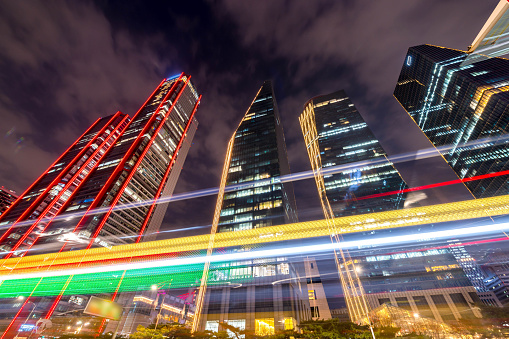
336, 135
7, 197
243, 294
117, 161
342, 138
463, 110
258, 153
103, 190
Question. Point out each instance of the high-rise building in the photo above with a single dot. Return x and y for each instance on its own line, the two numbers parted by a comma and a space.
76, 202
104, 189
245, 294
463, 110
343, 137
336, 135
7, 197
258, 153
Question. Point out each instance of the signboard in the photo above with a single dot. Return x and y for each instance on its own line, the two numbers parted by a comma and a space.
103, 308
26, 328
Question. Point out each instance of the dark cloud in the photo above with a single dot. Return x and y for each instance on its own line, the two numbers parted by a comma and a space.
66, 63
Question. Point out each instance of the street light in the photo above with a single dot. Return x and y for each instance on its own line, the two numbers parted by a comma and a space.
154, 287
416, 315
21, 297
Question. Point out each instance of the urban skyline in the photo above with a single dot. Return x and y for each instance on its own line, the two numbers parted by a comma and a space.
412, 239
377, 107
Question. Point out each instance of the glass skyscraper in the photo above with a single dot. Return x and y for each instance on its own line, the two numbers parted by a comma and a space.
258, 155
463, 110
245, 293
343, 137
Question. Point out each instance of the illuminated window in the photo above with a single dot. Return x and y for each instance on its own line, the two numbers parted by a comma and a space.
240, 324
312, 294
212, 325
284, 268
235, 169
265, 205
288, 324
264, 271
264, 326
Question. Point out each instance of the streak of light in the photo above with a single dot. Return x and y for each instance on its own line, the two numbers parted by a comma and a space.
464, 210
268, 253
411, 156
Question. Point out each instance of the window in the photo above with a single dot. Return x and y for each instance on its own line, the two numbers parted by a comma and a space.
288, 324
264, 326
312, 294
212, 325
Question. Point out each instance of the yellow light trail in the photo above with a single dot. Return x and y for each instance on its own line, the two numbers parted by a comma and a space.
163, 249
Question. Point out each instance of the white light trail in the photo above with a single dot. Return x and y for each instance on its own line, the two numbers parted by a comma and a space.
270, 253
411, 156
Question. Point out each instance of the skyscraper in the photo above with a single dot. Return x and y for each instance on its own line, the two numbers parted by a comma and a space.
116, 161
103, 189
463, 110
244, 295
343, 137
335, 134
258, 153
7, 197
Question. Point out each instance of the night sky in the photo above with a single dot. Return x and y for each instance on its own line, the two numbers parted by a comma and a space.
65, 63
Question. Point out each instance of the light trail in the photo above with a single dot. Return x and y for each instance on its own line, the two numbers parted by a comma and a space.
401, 158
269, 253
464, 210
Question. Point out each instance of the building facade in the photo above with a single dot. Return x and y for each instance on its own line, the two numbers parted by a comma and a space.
258, 155
364, 181
343, 138
117, 161
497, 282
463, 110
353, 176
429, 283
7, 198
247, 294
103, 190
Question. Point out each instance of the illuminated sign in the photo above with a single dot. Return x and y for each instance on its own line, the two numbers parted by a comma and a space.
26, 327
409, 60
103, 308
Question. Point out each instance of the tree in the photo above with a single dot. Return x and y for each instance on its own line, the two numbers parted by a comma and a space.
333, 329
147, 333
